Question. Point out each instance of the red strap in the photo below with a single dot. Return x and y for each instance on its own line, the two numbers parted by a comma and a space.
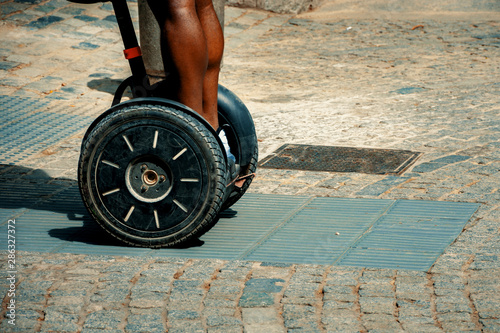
132, 53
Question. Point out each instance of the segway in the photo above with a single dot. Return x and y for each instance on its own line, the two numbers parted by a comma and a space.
152, 172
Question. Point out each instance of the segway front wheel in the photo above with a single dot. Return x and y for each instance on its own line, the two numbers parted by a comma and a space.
152, 175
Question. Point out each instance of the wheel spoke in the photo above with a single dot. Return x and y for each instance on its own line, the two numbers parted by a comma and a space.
111, 192
190, 180
128, 143
155, 140
179, 154
130, 211
114, 165
181, 206
156, 219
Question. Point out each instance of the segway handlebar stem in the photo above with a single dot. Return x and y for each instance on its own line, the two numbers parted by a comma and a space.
132, 50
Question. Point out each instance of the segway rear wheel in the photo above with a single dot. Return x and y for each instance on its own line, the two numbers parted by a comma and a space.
152, 175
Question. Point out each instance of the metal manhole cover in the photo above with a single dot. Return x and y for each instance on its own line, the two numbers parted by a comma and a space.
340, 159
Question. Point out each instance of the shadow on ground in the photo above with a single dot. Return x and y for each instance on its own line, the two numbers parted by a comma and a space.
106, 85
109, 86
38, 200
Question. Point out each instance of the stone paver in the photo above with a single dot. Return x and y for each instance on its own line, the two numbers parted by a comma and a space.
427, 83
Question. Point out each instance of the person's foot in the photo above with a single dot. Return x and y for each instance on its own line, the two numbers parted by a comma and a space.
225, 143
232, 167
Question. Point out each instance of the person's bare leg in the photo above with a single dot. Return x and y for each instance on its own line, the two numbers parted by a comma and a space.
215, 44
192, 46
185, 50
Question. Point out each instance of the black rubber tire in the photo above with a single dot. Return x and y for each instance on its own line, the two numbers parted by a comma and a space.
237, 193
118, 149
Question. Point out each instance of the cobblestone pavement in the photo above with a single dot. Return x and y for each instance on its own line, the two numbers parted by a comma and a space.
428, 83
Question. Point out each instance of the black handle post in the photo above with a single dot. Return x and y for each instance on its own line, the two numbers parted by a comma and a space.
139, 76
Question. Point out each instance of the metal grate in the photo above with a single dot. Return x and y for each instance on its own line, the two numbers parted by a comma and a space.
27, 127
404, 234
412, 234
340, 159
320, 232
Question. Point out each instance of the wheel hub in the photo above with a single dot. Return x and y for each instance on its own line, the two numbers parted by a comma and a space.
148, 179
